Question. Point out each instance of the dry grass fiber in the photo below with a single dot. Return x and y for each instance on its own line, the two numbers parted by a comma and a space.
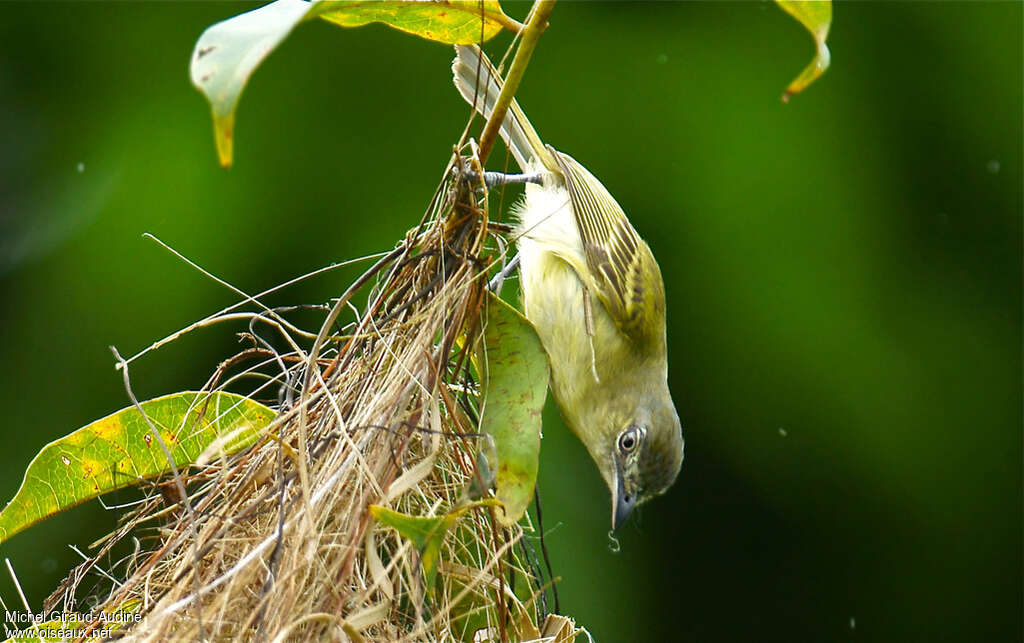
378, 407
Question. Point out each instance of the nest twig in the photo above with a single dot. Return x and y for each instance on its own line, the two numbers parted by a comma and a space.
382, 410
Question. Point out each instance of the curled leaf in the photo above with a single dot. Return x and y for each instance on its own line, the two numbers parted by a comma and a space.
515, 376
816, 17
120, 450
228, 52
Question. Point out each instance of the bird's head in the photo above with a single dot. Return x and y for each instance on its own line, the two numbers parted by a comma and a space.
639, 453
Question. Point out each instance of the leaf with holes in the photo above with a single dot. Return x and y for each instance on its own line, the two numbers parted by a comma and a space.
228, 52
515, 378
120, 450
816, 17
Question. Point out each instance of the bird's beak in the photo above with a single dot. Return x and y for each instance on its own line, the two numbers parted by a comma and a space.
622, 502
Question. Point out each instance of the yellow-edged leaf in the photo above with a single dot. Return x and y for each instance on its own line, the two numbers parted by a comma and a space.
455, 22
120, 450
816, 17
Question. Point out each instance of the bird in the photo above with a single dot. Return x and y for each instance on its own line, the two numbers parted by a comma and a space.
595, 295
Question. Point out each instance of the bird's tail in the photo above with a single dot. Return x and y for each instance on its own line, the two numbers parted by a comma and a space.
479, 83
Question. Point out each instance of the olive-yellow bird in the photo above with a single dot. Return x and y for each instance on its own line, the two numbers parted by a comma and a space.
594, 292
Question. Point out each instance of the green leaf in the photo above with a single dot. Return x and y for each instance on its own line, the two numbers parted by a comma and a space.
426, 532
816, 16
455, 22
120, 450
228, 52
515, 380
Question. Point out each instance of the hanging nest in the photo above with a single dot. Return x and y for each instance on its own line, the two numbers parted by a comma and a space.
278, 543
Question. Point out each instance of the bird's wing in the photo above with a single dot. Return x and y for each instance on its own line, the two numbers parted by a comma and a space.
617, 258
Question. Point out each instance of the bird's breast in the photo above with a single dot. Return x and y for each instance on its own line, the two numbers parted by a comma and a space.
582, 370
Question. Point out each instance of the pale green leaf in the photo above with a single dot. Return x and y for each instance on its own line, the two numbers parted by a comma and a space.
120, 450
228, 52
515, 376
816, 17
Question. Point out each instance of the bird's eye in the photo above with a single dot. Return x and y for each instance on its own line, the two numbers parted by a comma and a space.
628, 440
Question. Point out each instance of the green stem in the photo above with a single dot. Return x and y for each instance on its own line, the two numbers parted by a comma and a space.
536, 23
505, 21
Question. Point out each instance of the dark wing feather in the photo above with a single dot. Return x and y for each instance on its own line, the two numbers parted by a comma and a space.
622, 270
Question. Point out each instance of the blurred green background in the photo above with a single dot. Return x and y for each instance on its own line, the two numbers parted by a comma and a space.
843, 278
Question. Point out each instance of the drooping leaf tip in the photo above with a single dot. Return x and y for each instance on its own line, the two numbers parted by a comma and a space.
224, 137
